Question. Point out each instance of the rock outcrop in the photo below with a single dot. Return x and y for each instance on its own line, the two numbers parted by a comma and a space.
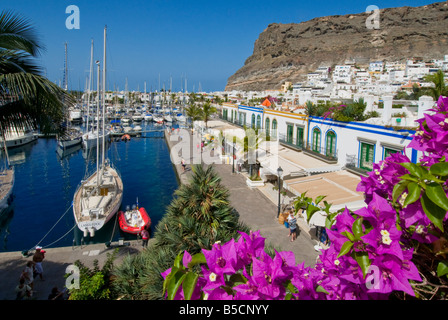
287, 52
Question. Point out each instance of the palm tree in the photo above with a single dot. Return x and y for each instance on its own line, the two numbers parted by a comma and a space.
27, 99
439, 89
310, 109
193, 111
207, 111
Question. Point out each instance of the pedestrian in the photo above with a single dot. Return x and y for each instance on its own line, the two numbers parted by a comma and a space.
28, 274
182, 161
23, 291
145, 237
38, 257
292, 221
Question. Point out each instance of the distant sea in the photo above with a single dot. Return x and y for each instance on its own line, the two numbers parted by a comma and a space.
46, 181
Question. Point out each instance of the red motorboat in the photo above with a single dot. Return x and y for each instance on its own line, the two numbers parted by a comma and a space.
134, 220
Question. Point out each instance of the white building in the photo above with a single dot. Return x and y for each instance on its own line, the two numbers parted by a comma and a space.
376, 66
342, 74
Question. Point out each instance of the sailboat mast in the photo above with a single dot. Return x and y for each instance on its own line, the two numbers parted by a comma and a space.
97, 126
104, 98
90, 87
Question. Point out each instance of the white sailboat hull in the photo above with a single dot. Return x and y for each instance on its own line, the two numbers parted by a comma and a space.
93, 208
89, 140
7, 178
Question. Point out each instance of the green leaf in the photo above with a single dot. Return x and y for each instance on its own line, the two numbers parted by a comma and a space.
178, 260
363, 261
357, 228
312, 209
346, 247
442, 268
321, 289
198, 258
414, 169
414, 192
319, 199
408, 177
189, 284
399, 188
175, 283
168, 278
237, 279
350, 236
433, 211
437, 195
439, 169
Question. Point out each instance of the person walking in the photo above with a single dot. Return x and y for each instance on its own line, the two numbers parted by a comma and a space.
23, 291
292, 221
38, 257
145, 237
28, 274
183, 164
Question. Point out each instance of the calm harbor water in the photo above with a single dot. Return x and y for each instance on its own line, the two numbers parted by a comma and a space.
46, 181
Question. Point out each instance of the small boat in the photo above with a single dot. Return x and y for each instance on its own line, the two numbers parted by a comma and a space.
137, 117
133, 220
148, 117
158, 118
70, 138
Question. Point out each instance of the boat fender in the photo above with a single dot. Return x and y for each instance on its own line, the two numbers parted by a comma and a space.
85, 232
92, 232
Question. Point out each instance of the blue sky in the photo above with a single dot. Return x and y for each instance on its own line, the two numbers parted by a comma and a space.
206, 41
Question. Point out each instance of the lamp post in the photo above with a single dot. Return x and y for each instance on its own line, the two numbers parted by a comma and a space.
279, 172
233, 157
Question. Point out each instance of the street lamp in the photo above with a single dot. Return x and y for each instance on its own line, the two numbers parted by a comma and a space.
279, 173
233, 165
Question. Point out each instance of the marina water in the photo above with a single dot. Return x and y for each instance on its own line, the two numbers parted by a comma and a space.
46, 180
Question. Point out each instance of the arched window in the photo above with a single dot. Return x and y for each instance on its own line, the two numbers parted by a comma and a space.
316, 140
330, 144
258, 122
274, 128
267, 127
252, 123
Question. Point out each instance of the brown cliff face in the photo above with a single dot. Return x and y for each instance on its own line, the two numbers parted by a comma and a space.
287, 52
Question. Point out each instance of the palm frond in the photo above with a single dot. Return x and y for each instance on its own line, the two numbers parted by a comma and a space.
17, 33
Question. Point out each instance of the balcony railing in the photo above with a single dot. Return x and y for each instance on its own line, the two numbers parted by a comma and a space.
329, 156
352, 164
290, 142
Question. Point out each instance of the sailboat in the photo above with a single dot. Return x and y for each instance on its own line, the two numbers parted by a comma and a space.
71, 136
89, 139
99, 197
7, 178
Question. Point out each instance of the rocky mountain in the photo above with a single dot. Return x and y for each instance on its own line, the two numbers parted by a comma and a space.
287, 52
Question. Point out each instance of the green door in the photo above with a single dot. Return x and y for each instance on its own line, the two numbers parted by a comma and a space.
274, 128
366, 161
388, 152
267, 127
290, 134
299, 141
316, 140
331, 144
